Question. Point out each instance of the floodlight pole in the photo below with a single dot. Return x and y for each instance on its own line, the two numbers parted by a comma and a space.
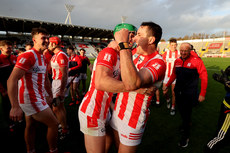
69, 9
123, 19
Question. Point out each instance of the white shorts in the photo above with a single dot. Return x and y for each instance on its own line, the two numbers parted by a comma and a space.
92, 126
166, 79
82, 76
76, 80
30, 109
56, 85
127, 135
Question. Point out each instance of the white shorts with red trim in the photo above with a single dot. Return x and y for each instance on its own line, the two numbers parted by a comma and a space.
56, 85
92, 126
128, 136
166, 79
33, 108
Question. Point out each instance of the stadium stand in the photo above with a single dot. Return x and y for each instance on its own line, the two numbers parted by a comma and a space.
18, 31
218, 47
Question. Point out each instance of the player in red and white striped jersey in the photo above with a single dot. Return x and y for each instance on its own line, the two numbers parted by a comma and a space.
94, 108
59, 64
142, 67
26, 87
170, 56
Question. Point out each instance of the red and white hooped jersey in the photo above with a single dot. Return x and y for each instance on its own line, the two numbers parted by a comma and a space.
96, 102
169, 58
132, 107
59, 59
32, 85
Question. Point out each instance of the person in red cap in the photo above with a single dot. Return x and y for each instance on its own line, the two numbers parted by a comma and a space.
26, 86
59, 64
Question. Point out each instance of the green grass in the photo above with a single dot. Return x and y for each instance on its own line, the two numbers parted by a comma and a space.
162, 134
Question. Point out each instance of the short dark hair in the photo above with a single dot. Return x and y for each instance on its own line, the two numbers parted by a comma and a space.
36, 31
172, 40
29, 44
82, 49
6, 42
21, 49
155, 30
70, 47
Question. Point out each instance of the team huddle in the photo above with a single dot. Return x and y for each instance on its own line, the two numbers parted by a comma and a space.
130, 68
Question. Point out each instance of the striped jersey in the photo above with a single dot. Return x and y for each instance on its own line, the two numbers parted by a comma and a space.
96, 102
58, 60
133, 107
169, 57
32, 85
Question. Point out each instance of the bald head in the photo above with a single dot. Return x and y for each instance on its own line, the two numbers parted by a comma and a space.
185, 49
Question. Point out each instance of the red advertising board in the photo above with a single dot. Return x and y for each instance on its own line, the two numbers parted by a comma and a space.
215, 45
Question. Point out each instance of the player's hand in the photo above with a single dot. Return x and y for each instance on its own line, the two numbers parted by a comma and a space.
122, 36
49, 100
16, 113
147, 91
201, 98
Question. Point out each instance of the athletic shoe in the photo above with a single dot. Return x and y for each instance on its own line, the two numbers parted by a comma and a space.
71, 103
168, 104
78, 101
63, 135
59, 128
158, 102
172, 111
183, 142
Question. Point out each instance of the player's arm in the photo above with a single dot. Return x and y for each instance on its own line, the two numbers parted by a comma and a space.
104, 80
63, 70
48, 88
16, 113
204, 79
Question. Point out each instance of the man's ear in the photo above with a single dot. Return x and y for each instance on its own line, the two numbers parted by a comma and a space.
33, 40
151, 39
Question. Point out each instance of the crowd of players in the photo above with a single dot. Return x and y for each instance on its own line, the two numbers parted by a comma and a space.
130, 68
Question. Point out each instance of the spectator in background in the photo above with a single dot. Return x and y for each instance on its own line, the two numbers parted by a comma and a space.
7, 62
75, 64
83, 70
169, 57
26, 86
187, 70
21, 50
59, 64
28, 46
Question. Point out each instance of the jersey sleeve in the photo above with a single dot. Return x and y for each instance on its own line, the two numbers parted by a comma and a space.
79, 63
25, 61
203, 76
62, 60
107, 57
157, 69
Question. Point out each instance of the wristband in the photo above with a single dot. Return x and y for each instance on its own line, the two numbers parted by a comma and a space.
123, 45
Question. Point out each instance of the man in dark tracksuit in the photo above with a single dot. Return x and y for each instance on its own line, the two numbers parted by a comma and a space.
223, 135
187, 70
